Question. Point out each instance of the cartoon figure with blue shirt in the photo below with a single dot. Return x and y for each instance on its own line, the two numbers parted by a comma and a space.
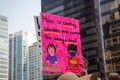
51, 57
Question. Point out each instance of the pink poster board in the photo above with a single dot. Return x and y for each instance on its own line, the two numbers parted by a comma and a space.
61, 44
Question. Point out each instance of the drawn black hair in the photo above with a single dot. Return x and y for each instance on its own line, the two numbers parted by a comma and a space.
72, 47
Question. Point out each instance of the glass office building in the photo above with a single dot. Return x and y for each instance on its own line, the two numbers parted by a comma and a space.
87, 12
34, 62
4, 42
18, 56
110, 19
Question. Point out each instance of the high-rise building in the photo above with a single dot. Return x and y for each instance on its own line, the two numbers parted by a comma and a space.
110, 22
87, 12
4, 48
34, 62
18, 56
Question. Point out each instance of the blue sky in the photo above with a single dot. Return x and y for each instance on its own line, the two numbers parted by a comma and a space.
20, 14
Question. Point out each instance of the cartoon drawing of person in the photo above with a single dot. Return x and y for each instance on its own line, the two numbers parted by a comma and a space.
51, 57
72, 50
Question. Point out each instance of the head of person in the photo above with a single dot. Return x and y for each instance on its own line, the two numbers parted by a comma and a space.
51, 49
71, 48
68, 76
113, 76
94, 76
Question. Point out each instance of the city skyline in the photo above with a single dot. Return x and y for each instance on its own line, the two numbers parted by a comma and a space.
23, 57
20, 14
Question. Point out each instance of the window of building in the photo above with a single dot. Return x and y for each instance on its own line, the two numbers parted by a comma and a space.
114, 40
108, 41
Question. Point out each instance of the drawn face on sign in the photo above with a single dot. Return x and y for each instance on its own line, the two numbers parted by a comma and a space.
51, 49
72, 49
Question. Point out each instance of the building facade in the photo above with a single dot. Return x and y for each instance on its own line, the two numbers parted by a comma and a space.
34, 62
4, 48
87, 12
110, 16
18, 56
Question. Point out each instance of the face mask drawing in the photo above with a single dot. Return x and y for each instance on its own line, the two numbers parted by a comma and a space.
71, 48
72, 54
